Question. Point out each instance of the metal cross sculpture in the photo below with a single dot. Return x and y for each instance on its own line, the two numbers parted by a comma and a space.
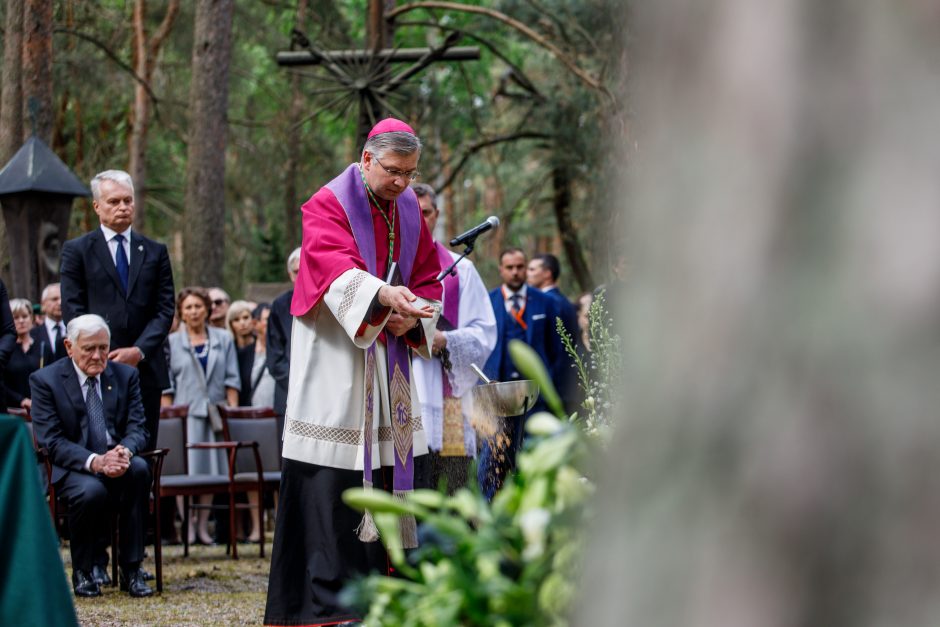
365, 76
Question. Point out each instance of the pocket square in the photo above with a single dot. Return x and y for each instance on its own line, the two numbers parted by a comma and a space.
538, 316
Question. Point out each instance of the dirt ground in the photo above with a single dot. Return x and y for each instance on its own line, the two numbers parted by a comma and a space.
206, 588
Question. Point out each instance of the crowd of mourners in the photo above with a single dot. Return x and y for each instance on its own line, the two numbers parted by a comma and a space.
370, 378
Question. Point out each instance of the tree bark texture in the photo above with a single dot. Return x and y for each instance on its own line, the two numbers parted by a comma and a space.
561, 204
292, 167
204, 236
11, 106
37, 69
11, 100
146, 52
379, 34
776, 463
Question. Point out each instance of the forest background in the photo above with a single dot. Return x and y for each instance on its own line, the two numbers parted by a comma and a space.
222, 163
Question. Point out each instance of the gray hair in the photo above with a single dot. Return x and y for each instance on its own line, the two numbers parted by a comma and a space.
398, 142
45, 291
294, 256
424, 190
234, 310
89, 323
20, 304
118, 176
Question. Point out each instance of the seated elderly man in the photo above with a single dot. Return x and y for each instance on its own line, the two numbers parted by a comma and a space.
88, 414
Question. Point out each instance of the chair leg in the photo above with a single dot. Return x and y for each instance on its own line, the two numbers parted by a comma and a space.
232, 535
115, 537
185, 527
261, 519
158, 543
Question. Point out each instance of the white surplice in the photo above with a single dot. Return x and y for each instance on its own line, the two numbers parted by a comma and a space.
326, 407
471, 343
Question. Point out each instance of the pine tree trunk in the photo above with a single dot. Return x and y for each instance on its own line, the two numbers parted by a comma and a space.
145, 58
11, 106
11, 101
140, 119
204, 237
292, 167
37, 69
561, 203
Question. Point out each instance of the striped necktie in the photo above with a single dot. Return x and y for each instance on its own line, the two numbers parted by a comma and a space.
97, 430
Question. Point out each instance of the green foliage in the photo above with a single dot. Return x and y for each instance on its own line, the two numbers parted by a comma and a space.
513, 562
454, 105
599, 369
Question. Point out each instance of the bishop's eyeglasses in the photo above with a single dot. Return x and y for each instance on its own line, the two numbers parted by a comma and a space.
408, 176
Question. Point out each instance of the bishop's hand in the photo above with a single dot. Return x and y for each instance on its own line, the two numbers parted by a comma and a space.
400, 299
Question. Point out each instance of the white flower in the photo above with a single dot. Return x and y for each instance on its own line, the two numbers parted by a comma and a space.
533, 524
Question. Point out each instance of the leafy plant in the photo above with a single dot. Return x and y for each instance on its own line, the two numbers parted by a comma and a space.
598, 369
511, 562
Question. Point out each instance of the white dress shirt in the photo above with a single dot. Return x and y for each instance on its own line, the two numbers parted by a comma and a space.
50, 330
112, 243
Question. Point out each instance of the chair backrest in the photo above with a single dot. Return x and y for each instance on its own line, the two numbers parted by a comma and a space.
252, 424
172, 436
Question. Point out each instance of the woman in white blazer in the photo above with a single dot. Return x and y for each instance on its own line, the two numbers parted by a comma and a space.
203, 371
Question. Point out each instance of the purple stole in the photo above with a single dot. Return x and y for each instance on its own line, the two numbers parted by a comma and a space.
349, 190
451, 285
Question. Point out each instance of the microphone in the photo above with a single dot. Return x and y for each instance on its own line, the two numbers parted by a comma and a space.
470, 236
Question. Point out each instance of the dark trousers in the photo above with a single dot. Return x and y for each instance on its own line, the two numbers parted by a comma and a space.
92, 498
497, 455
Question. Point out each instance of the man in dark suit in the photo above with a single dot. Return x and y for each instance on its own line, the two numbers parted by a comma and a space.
7, 332
88, 414
526, 314
542, 273
279, 329
126, 279
50, 335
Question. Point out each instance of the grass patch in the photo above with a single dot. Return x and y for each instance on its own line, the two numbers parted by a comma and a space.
206, 588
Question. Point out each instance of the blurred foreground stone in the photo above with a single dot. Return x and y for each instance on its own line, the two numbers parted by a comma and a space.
778, 457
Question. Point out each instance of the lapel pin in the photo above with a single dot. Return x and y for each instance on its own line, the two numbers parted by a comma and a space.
141, 248
109, 388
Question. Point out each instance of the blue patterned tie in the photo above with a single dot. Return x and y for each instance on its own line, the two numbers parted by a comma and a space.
120, 260
97, 431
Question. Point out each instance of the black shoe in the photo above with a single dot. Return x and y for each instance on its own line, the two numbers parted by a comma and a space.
100, 575
84, 585
133, 582
148, 576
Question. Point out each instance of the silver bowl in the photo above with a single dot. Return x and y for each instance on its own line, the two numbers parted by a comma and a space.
508, 398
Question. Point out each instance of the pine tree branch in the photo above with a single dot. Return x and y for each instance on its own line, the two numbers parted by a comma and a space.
565, 60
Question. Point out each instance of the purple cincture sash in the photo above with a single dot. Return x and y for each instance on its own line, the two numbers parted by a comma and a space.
349, 190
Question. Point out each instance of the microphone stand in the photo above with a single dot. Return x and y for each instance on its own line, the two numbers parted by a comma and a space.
452, 268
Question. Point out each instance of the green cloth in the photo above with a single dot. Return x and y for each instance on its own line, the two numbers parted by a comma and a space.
33, 586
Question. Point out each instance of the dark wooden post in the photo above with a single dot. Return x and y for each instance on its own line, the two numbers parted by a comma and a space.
36, 193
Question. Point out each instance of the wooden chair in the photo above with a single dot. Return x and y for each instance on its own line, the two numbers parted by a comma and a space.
257, 425
59, 510
176, 480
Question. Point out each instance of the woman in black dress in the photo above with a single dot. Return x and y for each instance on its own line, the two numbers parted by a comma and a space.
241, 326
25, 359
